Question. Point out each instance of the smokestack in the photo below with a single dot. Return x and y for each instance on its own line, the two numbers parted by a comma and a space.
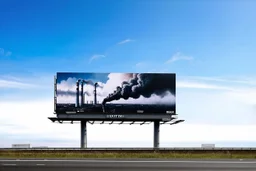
82, 93
95, 93
77, 92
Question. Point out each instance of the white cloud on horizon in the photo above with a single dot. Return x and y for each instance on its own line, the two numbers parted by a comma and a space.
198, 85
15, 84
37, 130
36, 82
10, 77
179, 56
212, 113
125, 41
238, 89
246, 81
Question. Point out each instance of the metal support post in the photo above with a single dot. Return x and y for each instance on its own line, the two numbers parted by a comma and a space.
83, 134
156, 133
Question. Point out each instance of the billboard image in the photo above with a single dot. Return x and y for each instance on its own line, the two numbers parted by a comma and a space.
115, 93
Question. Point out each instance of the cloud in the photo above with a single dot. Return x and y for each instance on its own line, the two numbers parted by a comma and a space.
10, 77
245, 91
15, 84
159, 71
125, 41
179, 56
240, 89
97, 56
211, 133
199, 85
38, 130
140, 64
35, 124
37, 81
2, 52
94, 57
246, 81
219, 112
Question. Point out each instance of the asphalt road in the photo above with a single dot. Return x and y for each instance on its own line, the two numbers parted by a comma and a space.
127, 165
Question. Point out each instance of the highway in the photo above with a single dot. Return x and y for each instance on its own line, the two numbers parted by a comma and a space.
126, 165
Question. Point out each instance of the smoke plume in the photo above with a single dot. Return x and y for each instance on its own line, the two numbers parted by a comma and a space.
66, 93
143, 85
70, 93
89, 82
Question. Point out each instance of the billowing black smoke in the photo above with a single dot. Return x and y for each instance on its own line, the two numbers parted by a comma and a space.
144, 85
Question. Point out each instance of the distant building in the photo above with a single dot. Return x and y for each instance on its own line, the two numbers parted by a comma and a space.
208, 145
20, 145
40, 147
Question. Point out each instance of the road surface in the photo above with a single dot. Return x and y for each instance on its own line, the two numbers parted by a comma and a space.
126, 165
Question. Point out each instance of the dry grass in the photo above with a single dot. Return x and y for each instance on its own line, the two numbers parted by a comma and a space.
163, 155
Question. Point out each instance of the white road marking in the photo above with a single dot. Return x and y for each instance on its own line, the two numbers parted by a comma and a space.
40, 164
140, 161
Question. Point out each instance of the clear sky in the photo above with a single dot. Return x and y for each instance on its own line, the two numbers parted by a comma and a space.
210, 45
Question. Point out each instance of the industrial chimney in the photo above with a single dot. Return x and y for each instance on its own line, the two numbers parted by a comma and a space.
77, 92
82, 93
95, 93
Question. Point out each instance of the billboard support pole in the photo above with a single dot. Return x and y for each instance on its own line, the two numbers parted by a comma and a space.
156, 133
83, 134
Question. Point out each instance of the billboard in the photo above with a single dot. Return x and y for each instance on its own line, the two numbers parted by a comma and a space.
115, 93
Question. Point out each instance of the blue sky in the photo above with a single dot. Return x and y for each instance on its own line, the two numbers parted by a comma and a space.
210, 45
46, 36
63, 76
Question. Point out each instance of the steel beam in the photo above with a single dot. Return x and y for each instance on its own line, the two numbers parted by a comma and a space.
156, 133
83, 134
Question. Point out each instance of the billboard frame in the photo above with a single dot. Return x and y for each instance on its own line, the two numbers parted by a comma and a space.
157, 119
78, 110
55, 94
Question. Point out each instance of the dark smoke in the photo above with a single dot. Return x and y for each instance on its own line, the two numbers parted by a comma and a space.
69, 93
143, 85
99, 86
66, 93
89, 82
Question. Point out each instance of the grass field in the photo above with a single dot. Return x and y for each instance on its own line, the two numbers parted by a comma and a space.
164, 155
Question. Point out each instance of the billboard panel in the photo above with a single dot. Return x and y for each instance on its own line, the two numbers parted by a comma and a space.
115, 93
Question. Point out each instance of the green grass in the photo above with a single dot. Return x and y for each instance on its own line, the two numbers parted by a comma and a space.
165, 155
